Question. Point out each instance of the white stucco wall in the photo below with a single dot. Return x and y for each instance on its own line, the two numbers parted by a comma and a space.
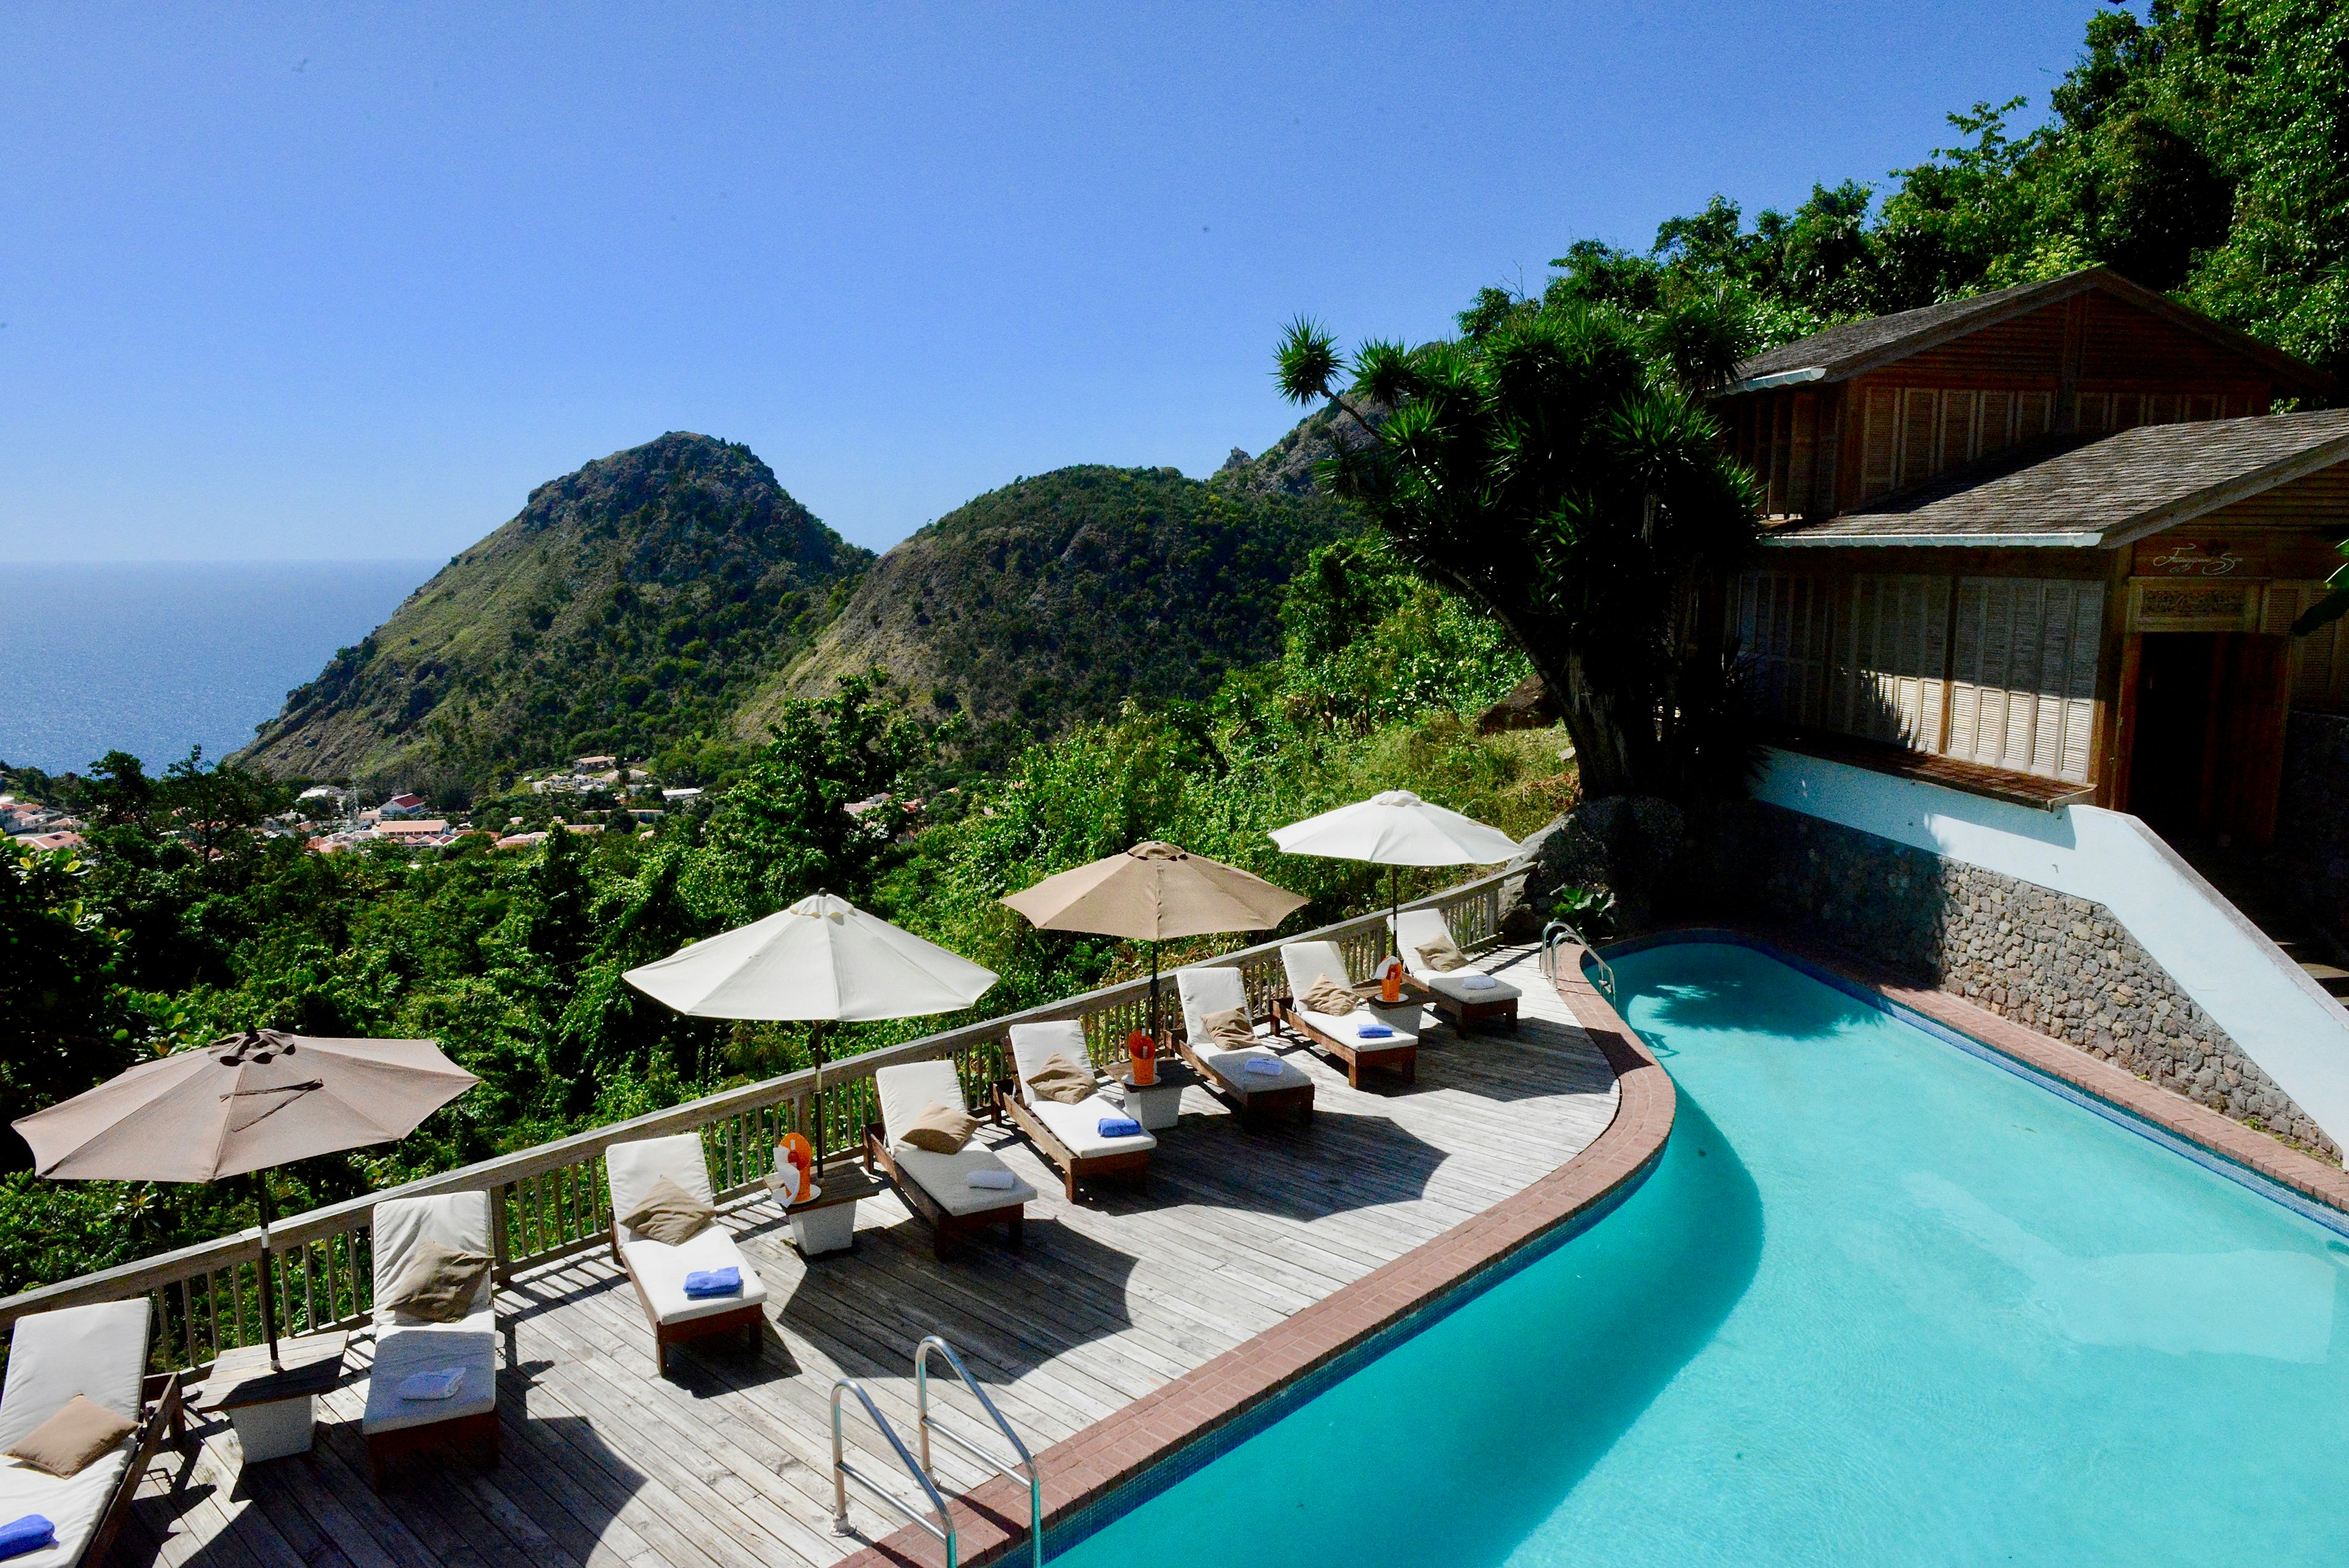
2278, 1017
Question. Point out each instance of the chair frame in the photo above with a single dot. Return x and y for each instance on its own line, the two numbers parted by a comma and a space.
1402, 1059
163, 1406
477, 1433
747, 1319
1253, 1106
1074, 1168
945, 1226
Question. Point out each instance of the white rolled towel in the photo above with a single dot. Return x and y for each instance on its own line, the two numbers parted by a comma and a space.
1262, 1066
1477, 982
440, 1385
994, 1180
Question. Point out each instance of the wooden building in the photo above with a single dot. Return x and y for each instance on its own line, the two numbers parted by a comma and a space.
2046, 544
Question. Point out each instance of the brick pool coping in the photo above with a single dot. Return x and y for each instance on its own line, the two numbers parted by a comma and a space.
2115, 1085
1091, 1467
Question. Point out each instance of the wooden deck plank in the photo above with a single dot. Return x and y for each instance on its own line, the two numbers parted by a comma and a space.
726, 1463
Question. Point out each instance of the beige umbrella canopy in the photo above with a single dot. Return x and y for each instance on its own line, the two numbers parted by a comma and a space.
1154, 892
244, 1103
247, 1103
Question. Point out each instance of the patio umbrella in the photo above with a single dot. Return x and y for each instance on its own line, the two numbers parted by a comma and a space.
241, 1106
1394, 829
1152, 892
822, 960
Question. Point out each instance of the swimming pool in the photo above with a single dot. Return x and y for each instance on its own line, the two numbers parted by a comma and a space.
1882, 1302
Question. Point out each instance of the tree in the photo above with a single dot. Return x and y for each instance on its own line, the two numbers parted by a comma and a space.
57, 955
1553, 472
785, 831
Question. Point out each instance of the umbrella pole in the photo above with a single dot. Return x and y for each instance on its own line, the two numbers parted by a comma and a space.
268, 1290
1153, 994
815, 1044
1394, 912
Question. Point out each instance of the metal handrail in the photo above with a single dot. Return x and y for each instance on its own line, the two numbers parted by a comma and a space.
1551, 935
843, 1472
1025, 1469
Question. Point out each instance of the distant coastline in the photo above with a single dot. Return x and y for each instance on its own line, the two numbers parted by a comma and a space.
153, 658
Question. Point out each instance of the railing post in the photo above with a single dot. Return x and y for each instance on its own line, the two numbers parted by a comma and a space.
500, 1245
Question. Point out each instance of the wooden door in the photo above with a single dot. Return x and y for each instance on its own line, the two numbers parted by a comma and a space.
2255, 699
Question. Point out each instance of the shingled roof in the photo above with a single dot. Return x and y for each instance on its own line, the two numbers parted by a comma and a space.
1841, 352
2106, 493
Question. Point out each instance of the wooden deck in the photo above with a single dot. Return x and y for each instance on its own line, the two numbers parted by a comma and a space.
726, 1461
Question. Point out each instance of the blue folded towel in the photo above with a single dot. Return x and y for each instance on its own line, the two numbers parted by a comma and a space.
29, 1533
724, 1282
1373, 1031
1118, 1126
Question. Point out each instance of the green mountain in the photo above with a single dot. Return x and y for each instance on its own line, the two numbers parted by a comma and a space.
1054, 599
631, 605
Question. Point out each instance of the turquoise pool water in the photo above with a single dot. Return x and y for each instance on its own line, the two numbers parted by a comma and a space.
1881, 1302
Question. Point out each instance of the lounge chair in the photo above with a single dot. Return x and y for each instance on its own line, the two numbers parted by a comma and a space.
657, 1270
1067, 1134
99, 1352
1340, 1034
1467, 1003
1255, 1095
405, 1346
937, 1185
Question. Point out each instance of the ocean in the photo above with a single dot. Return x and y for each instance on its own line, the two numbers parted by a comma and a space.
154, 658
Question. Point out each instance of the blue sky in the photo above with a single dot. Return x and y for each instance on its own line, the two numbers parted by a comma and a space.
349, 281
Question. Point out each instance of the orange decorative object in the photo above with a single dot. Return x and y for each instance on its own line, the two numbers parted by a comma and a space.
799, 1154
1391, 980
1143, 1051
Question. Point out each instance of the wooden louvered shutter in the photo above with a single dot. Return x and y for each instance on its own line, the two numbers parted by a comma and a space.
1803, 458
1957, 431
1995, 423
1920, 424
2023, 674
1878, 445
2034, 414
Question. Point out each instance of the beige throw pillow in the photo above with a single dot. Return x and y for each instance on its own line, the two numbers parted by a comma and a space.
669, 1214
939, 1129
1442, 954
1063, 1080
1326, 995
439, 1284
65, 1443
1228, 1029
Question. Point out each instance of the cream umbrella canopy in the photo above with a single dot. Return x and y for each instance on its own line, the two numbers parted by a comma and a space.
1396, 828
1154, 892
241, 1106
821, 960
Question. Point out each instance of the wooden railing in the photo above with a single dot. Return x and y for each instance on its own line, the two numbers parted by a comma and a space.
552, 1200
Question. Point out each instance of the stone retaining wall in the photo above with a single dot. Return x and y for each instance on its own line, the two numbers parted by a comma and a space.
2061, 965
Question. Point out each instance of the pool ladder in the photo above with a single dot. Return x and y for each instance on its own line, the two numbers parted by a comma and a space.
1023, 1466
1558, 931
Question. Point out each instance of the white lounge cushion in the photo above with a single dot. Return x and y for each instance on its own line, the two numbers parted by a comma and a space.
632, 1169
401, 1354
1306, 962
1231, 1066
1349, 1028
74, 1503
903, 1090
661, 1269
1035, 1045
98, 1351
1220, 990
1078, 1126
946, 1178
1455, 985
458, 1220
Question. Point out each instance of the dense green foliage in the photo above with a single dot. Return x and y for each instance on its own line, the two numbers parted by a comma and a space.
1557, 468
628, 608
2203, 151
1048, 601
180, 924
